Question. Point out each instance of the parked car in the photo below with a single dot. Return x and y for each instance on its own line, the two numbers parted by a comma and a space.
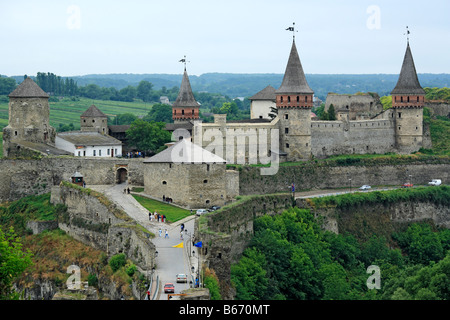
169, 288
201, 211
181, 277
213, 208
407, 185
435, 182
365, 187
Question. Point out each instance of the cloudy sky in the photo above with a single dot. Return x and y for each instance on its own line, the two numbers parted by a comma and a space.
80, 37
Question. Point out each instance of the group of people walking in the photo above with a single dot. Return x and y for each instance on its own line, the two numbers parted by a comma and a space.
158, 217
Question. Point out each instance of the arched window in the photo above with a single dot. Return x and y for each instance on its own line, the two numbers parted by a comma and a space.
289, 98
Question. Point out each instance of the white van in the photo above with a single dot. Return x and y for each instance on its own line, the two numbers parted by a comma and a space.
435, 182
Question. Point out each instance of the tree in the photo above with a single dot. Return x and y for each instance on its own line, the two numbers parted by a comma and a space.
7, 85
148, 136
159, 113
13, 262
331, 113
144, 89
229, 108
124, 118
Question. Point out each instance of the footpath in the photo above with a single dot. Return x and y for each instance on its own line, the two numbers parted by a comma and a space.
171, 258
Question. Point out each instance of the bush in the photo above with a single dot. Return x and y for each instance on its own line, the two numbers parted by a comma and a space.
117, 261
92, 280
131, 270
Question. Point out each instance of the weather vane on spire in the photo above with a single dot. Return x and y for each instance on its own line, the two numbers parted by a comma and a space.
292, 29
184, 61
407, 34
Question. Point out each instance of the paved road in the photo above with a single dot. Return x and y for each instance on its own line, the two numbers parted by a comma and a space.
170, 260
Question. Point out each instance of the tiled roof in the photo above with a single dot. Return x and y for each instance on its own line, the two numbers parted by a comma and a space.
185, 151
88, 138
408, 83
185, 96
294, 80
93, 111
268, 93
28, 89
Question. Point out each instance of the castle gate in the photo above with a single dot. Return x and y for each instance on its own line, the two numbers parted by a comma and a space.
121, 173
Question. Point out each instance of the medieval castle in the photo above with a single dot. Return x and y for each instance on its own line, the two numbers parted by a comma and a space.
292, 135
361, 126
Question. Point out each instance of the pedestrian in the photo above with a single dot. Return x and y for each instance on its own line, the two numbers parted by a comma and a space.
167, 234
182, 227
181, 235
160, 232
128, 190
150, 215
164, 198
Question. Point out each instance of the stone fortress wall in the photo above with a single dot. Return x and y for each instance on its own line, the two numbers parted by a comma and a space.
27, 177
354, 137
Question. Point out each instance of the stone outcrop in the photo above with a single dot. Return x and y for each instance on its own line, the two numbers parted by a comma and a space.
95, 221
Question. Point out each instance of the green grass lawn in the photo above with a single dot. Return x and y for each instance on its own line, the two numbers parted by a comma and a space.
172, 213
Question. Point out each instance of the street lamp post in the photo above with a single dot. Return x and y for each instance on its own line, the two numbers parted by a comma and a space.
350, 181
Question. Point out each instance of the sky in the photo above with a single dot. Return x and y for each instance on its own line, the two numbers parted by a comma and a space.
77, 37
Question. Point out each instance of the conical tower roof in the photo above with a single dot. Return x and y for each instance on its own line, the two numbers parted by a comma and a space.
185, 96
408, 83
294, 80
28, 89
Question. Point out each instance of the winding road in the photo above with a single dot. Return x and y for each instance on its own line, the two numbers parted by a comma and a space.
170, 260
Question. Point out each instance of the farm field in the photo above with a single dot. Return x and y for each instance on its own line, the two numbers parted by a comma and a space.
67, 111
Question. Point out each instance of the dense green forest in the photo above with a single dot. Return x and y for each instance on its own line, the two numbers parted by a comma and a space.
291, 258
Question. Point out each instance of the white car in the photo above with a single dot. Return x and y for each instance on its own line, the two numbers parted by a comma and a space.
365, 187
201, 211
181, 277
435, 182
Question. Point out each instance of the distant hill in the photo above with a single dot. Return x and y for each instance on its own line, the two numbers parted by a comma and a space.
246, 85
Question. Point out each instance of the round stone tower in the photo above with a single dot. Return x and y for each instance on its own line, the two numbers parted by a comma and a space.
29, 114
294, 100
408, 99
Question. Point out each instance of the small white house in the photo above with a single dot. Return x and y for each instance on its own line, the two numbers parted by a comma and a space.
262, 103
88, 144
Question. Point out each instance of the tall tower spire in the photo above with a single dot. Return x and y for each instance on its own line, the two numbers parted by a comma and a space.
185, 106
294, 100
408, 99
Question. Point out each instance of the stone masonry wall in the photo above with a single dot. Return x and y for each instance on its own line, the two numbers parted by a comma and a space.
360, 137
21, 178
317, 176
